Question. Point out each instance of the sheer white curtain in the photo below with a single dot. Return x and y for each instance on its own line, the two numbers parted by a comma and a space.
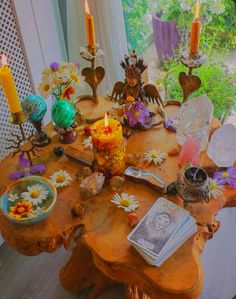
110, 35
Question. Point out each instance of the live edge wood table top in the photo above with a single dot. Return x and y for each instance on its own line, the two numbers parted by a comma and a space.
101, 253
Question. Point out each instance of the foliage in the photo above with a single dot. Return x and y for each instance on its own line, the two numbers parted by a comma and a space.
217, 82
137, 22
216, 15
225, 24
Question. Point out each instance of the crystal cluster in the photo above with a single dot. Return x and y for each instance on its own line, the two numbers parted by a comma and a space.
194, 120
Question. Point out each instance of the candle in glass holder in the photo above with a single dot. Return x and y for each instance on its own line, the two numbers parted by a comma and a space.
89, 21
195, 31
190, 151
109, 150
9, 87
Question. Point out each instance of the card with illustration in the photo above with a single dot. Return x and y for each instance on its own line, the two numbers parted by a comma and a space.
158, 226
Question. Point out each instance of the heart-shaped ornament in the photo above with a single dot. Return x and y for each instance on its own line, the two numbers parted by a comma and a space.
93, 76
189, 84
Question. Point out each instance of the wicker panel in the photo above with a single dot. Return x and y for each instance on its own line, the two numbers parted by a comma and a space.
11, 45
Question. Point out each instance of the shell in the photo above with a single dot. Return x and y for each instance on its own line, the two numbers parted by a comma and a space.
84, 173
77, 210
173, 151
132, 159
92, 185
117, 183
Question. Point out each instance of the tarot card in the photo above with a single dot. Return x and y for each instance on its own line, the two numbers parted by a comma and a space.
157, 227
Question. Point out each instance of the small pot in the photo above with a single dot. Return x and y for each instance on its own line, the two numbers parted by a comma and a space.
193, 185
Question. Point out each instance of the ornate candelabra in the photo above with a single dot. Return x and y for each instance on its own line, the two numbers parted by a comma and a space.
92, 75
189, 82
21, 143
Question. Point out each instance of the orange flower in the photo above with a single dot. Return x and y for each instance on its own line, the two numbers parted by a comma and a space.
68, 92
21, 209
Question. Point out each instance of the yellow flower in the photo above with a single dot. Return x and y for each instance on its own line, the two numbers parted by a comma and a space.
21, 209
74, 77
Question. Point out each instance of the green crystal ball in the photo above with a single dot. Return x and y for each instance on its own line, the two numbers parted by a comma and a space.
63, 114
34, 106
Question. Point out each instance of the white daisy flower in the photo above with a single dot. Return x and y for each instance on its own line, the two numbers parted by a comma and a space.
60, 178
155, 156
36, 212
127, 202
216, 190
45, 88
36, 194
13, 197
87, 143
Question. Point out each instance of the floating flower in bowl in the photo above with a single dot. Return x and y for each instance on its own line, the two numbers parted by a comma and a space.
28, 200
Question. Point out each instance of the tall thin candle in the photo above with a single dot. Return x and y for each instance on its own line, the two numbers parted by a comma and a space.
89, 20
195, 31
9, 87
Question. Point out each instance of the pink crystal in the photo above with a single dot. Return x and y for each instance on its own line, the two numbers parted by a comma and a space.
190, 151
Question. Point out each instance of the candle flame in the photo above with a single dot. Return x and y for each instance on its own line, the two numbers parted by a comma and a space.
87, 10
4, 60
106, 120
197, 9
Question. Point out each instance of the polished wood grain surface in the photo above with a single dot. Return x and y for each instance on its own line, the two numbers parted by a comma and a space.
108, 253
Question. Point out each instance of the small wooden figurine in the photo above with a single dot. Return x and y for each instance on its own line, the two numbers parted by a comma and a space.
133, 89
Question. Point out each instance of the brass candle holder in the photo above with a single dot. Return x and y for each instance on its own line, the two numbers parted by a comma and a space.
189, 82
93, 75
21, 143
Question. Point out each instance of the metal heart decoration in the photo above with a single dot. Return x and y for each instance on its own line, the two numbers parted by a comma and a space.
93, 76
189, 84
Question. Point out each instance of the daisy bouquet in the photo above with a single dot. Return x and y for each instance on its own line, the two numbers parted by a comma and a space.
60, 80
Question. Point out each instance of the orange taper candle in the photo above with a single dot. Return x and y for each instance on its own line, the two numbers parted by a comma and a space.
9, 87
89, 20
195, 31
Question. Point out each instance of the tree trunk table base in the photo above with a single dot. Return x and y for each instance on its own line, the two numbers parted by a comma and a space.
102, 255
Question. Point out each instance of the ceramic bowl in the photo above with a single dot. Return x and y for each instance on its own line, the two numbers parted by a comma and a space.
36, 212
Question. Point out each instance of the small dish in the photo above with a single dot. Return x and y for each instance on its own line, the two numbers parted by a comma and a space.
22, 202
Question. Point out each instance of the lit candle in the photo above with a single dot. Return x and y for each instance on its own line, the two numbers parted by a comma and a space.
9, 87
195, 31
89, 20
108, 145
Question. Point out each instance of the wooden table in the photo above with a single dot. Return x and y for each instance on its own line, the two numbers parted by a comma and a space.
101, 253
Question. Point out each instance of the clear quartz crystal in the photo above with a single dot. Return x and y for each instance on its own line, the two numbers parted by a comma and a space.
222, 146
194, 119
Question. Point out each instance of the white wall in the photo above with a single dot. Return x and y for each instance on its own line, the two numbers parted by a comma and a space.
42, 36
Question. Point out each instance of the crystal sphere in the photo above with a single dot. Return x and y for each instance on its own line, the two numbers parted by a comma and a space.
34, 106
63, 114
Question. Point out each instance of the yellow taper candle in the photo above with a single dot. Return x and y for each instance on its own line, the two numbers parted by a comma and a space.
9, 87
109, 149
89, 21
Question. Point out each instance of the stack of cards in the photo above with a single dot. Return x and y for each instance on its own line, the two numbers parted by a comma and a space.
163, 229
